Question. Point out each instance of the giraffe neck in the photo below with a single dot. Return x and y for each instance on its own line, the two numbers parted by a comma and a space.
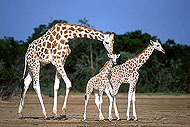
141, 58
67, 32
107, 66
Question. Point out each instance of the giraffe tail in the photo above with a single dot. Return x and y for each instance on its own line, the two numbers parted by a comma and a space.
22, 80
25, 64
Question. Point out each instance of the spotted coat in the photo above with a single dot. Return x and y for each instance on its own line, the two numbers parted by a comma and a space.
128, 72
100, 83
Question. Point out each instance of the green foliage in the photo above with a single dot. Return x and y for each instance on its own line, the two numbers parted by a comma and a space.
161, 73
11, 53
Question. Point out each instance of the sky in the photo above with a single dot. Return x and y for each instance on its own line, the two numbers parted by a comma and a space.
166, 19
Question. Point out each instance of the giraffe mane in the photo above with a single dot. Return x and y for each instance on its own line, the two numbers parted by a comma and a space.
139, 53
104, 66
88, 28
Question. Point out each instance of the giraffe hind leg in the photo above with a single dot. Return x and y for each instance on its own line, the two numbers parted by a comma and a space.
61, 71
26, 82
86, 97
35, 70
56, 88
110, 103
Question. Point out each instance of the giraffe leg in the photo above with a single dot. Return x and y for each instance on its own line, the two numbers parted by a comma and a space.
36, 85
115, 108
61, 71
60, 68
87, 96
110, 103
27, 82
97, 100
134, 112
129, 100
68, 87
56, 88
101, 117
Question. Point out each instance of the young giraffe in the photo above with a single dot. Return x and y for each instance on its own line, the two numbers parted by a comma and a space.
128, 73
52, 47
100, 83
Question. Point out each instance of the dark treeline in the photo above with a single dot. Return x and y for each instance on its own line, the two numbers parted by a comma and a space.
169, 73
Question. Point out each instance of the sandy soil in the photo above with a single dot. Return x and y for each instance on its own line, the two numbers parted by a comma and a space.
152, 110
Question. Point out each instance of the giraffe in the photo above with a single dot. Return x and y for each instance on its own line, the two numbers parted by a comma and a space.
128, 73
53, 47
100, 83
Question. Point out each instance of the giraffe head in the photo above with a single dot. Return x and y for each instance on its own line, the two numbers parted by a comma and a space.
108, 42
157, 46
113, 57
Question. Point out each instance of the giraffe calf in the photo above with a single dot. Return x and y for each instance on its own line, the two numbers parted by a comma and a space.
100, 83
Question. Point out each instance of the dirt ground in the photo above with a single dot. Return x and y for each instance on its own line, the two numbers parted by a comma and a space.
152, 110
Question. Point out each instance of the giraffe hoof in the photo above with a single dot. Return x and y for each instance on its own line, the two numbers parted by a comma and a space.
45, 114
101, 118
54, 114
84, 121
20, 115
135, 119
110, 118
118, 119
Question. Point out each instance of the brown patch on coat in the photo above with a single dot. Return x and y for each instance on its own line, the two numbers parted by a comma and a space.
54, 33
51, 38
48, 45
62, 41
71, 28
58, 36
46, 51
65, 36
59, 47
58, 28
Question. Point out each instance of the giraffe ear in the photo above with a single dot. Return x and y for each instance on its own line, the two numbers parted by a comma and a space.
112, 36
151, 42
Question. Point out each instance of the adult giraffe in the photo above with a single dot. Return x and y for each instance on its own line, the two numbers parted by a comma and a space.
53, 47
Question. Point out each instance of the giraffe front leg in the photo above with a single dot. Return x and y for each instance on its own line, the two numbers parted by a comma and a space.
115, 108
110, 104
101, 117
56, 88
129, 101
89, 90
134, 111
68, 87
87, 96
26, 82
